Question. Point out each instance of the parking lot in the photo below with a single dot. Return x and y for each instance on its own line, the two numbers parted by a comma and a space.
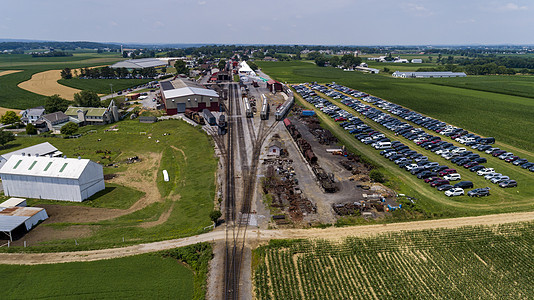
353, 110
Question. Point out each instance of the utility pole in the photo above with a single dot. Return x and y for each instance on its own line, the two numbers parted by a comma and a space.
111, 88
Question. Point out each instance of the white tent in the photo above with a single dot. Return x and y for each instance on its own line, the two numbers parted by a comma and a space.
52, 178
244, 68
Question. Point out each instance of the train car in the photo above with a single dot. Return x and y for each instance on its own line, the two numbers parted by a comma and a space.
222, 121
282, 111
265, 108
248, 109
209, 117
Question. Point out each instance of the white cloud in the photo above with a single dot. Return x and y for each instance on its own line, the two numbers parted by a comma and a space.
511, 7
417, 9
158, 24
201, 2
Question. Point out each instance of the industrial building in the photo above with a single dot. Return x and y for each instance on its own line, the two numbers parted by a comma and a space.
244, 69
17, 219
179, 95
274, 86
66, 179
42, 149
142, 63
427, 74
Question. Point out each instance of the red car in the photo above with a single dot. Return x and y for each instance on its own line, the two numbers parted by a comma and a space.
430, 179
447, 172
439, 182
512, 158
340, 119
470, 164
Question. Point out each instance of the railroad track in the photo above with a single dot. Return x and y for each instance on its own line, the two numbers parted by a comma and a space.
237, 223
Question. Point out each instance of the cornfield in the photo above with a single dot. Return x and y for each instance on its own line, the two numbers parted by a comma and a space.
466, 263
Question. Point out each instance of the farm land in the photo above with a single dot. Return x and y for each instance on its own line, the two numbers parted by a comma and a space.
469, 262
15, 97
498, 106
179, 274
102, 86
137, 204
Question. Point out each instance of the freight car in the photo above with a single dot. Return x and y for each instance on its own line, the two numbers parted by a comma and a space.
282, 111
209, 117
264, 115
248, 109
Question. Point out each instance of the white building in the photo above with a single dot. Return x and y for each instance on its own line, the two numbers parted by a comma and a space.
446, 74
42, 149
417, 61
67, 179
32, 115
244, 69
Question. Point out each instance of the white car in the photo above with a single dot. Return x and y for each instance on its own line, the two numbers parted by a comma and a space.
411, 166
491, 150
485, 171
454, 192
452, 177
491, 175
497, 179
459, 150
506, 155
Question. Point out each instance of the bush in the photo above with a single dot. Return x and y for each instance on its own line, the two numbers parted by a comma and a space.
377, 176
69, 129
30, 129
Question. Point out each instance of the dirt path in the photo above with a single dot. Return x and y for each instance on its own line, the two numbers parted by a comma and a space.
260, 236
45, 83
7, 72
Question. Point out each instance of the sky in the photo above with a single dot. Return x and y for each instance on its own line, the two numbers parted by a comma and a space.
312, 22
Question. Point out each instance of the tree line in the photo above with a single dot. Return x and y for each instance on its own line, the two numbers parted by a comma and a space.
109, 73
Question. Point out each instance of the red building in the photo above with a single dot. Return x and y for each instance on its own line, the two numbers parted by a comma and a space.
274, 86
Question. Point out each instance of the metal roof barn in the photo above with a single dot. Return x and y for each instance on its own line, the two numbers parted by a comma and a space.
41, 149
51, 178
12, 202
13, 217
140, 63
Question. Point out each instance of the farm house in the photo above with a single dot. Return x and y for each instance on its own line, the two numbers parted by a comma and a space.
66, 179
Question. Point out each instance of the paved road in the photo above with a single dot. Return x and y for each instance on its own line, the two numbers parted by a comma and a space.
259, 236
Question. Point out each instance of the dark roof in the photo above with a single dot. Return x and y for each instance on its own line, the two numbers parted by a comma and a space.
166, 85
276, 143
57, 116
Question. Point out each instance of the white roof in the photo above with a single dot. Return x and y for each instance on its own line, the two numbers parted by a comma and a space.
139, 63
57, 167
189, 91
13, 217
244, 67
39, 149
12, 202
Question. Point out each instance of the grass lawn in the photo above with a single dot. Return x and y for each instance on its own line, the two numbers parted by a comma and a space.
486, 262
498, 106
178, 274
114, 196
188, 156
102, 86
14, 97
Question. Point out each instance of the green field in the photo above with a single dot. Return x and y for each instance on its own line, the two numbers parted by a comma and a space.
14, 97
188, 197
174, 274
466, 263
476, 103
102, 86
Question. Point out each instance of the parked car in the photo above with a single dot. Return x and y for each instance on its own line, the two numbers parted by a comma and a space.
444, 187
452, 177
508, 183
439, 182
485, 171
455, 191
498, 179
491, 175
447, 171
464, 185
520, 161
480, 192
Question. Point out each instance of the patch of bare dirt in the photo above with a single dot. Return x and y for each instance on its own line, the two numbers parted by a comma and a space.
47, 233
7, 72
45, 83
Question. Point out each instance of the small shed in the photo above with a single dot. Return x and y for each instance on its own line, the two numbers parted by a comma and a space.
147, 119
133, 96
14, 202
275, 149
20, 219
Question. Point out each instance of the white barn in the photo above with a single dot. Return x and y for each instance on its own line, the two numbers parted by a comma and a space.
66, 179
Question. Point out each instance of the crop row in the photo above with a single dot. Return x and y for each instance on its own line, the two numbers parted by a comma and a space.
470, 262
